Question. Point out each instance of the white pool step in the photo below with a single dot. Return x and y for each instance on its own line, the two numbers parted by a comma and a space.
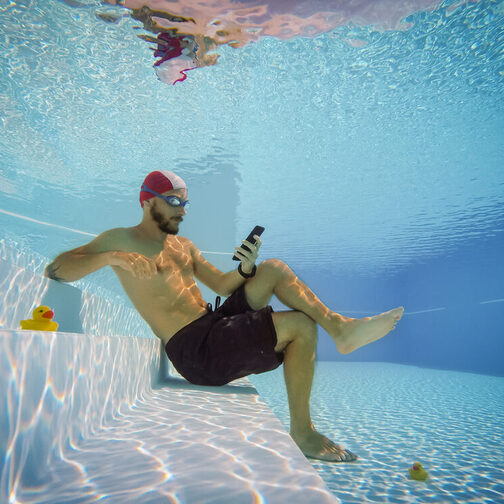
93, 408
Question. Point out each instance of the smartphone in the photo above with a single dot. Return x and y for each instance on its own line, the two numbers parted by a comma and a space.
258, 230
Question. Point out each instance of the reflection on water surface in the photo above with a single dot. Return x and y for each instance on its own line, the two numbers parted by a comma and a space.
187, 32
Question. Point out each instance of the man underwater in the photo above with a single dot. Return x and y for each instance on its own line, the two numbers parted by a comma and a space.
243, 336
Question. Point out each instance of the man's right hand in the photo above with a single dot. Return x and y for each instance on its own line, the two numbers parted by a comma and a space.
138, 265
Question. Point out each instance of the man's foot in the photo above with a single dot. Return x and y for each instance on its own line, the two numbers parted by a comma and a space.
315, 445
350, 334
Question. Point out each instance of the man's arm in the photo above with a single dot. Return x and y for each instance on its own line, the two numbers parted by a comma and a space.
81, 261
221, 283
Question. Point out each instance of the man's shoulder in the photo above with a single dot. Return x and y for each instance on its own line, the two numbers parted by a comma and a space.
185, 240
189, 244
116, 236
117, 233
112, 239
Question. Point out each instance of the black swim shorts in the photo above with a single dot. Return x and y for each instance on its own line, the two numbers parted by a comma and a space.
231, 342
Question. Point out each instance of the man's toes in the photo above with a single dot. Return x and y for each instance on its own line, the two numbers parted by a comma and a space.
336, 455
350, 457
345, 456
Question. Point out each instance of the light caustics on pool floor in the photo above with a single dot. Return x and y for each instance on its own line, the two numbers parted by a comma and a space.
157, 437
393, 415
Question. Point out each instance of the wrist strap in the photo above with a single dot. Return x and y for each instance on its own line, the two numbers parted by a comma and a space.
247, 275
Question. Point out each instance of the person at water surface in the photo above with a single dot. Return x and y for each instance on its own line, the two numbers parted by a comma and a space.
157, 269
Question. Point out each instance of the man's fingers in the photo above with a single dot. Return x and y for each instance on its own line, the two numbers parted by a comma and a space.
246, 253
151, 268
143, 267
138, 265
240, 252
253, 247
250, 245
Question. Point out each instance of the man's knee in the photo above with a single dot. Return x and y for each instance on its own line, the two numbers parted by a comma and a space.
294, 325
306, 327
273, 267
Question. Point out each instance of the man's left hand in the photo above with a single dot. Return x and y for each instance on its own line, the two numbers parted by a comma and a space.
248, 259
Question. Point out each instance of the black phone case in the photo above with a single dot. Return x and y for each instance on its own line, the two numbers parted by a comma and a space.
258, 230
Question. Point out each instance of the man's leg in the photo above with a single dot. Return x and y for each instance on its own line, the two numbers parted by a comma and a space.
275, 277
297, 337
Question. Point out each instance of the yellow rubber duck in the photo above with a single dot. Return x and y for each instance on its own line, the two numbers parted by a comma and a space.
42, 320
417, 472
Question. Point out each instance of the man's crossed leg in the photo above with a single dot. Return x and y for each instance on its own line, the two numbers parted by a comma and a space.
297, 337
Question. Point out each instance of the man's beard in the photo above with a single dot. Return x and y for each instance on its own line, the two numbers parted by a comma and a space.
163, 225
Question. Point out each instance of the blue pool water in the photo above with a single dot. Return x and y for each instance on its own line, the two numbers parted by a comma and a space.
366, 139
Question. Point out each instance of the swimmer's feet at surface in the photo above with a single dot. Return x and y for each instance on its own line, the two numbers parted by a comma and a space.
315, 445
349, 334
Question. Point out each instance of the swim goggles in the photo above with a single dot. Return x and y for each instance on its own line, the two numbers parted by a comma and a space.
173, 201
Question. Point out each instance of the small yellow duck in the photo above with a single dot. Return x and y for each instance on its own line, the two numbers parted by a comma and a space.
417, 472
42, 320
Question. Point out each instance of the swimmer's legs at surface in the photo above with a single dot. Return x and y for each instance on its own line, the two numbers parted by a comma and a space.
297, 337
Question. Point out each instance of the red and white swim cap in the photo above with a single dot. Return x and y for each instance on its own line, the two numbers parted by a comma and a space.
161, 181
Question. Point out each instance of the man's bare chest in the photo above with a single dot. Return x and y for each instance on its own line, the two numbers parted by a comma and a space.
176, 258
173, 261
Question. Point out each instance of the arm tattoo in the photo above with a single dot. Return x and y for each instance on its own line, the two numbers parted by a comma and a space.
51, 272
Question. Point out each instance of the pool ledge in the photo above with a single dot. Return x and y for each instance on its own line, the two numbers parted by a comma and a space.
92, 417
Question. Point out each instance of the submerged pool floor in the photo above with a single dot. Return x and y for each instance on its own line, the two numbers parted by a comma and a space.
393, 415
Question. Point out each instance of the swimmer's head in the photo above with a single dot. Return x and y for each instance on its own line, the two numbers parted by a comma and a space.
160, 181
